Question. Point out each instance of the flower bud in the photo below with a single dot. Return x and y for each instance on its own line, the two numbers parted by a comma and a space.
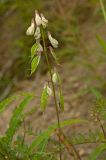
40, 48
55, 77
38, 19
37, 34
44, 21
49, 90
52, 40
31, 29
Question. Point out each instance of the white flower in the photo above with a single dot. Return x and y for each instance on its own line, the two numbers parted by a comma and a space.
55, 77
37, 34
49, 90
40, 48
38, 19
44, 21
53, 41
31, 29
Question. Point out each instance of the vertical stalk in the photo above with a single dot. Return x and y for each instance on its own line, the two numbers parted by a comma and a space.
69, 146
101, 126
24, 135
103, 9
53, 87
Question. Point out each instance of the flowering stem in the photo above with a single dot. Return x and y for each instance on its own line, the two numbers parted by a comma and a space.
53, 87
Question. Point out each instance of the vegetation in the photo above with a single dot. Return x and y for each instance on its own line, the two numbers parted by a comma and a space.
20, 141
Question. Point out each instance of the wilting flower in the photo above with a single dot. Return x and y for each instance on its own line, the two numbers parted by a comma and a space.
49, 90
38, 19
52, 40
31, 29
37, 34
44, 21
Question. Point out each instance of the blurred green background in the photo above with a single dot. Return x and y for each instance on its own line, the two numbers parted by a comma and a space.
75, 23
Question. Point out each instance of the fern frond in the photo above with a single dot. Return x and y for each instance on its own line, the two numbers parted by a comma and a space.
16, 119
45, 135
89, 137
4, 103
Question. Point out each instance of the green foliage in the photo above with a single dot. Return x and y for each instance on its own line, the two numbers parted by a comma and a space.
97, 151
6, 102
35, 63
14, 146
6, 152
96, 93
102, 42
6, 148
51, 130
16, 119
18, 149
44, 98
34, 50
87, 138
35, 57
99, 108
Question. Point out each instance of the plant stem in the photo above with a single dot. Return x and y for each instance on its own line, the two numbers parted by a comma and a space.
24, 135
53, 87
101, 126
69, 146
103, 9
